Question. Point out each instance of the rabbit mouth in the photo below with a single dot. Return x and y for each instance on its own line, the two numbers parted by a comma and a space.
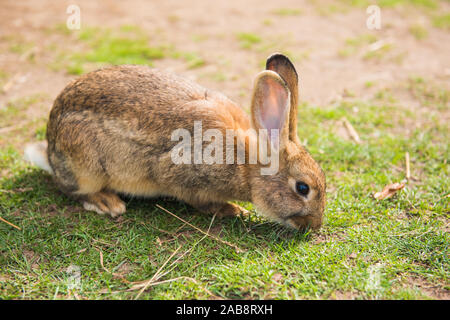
293, 215
300, 221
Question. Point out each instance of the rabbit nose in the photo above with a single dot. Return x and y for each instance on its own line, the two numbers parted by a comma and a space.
312, 221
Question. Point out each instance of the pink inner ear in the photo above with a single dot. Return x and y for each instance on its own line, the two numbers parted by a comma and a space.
274, 105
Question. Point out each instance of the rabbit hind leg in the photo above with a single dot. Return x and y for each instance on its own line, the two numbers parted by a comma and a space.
88, 188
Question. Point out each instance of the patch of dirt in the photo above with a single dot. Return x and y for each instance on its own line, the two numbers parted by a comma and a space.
32, 257
5, 278
313, 39
342, 295
125, 269
320, 237
435, 291
53, 210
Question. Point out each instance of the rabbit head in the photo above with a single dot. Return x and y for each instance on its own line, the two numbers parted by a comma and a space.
295, 194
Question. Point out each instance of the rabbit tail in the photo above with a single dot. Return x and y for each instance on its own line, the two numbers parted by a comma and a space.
36, 153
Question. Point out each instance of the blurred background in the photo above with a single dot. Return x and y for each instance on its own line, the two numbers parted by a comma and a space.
224, 44
374, 110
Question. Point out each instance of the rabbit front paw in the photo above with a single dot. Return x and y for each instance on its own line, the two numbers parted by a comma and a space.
223, 209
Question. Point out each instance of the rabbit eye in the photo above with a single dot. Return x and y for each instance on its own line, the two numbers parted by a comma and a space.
302, 188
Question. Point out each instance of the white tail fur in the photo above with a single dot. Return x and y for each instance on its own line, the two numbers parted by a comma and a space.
36, 153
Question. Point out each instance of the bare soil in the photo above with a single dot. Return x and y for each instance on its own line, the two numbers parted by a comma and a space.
312, 37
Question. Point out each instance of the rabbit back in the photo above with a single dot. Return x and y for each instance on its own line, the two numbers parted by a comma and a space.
111, 129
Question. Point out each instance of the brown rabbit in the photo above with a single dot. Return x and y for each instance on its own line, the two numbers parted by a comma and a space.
109, 132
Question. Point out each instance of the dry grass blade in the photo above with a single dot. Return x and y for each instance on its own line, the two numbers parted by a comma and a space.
186, 252
238, 250
101, 260
408, 171
29, 54
10, 83
103, 242
149, 282
377, 45
143, 285
146, 284
139, 285
159, 275
11, 224
107, 270
351, 131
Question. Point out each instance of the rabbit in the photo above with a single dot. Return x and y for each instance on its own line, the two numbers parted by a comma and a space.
109, 133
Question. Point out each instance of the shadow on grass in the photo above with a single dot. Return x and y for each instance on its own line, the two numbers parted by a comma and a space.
36, 191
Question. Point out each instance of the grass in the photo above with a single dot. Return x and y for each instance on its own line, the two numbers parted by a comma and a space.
125, 45
369, 47
267, 22
247, 39
353, 45
129, 45
442, 21
193, 59
418, 31
343, 6
380, 53
367, 249
20, 46
15, 109
287, 12
430, 4
428, 93
3, 79
96, 47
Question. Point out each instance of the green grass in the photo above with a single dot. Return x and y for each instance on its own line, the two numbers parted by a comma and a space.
430, 4
362, 45
193, 59
287, 12
380, 53
429, 94
353, 45
442, 21
267, 22
343, 6
20, 46
127, 44
15, 109
247, 40
418, 31
99, 47
3, 79
367, 249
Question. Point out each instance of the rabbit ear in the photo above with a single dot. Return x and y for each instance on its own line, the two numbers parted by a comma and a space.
283, 66
270, 107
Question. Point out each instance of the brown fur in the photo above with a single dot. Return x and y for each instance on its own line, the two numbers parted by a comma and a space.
109, 132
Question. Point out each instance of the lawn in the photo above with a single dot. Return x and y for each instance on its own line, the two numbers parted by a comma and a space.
396, 248
366, 249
